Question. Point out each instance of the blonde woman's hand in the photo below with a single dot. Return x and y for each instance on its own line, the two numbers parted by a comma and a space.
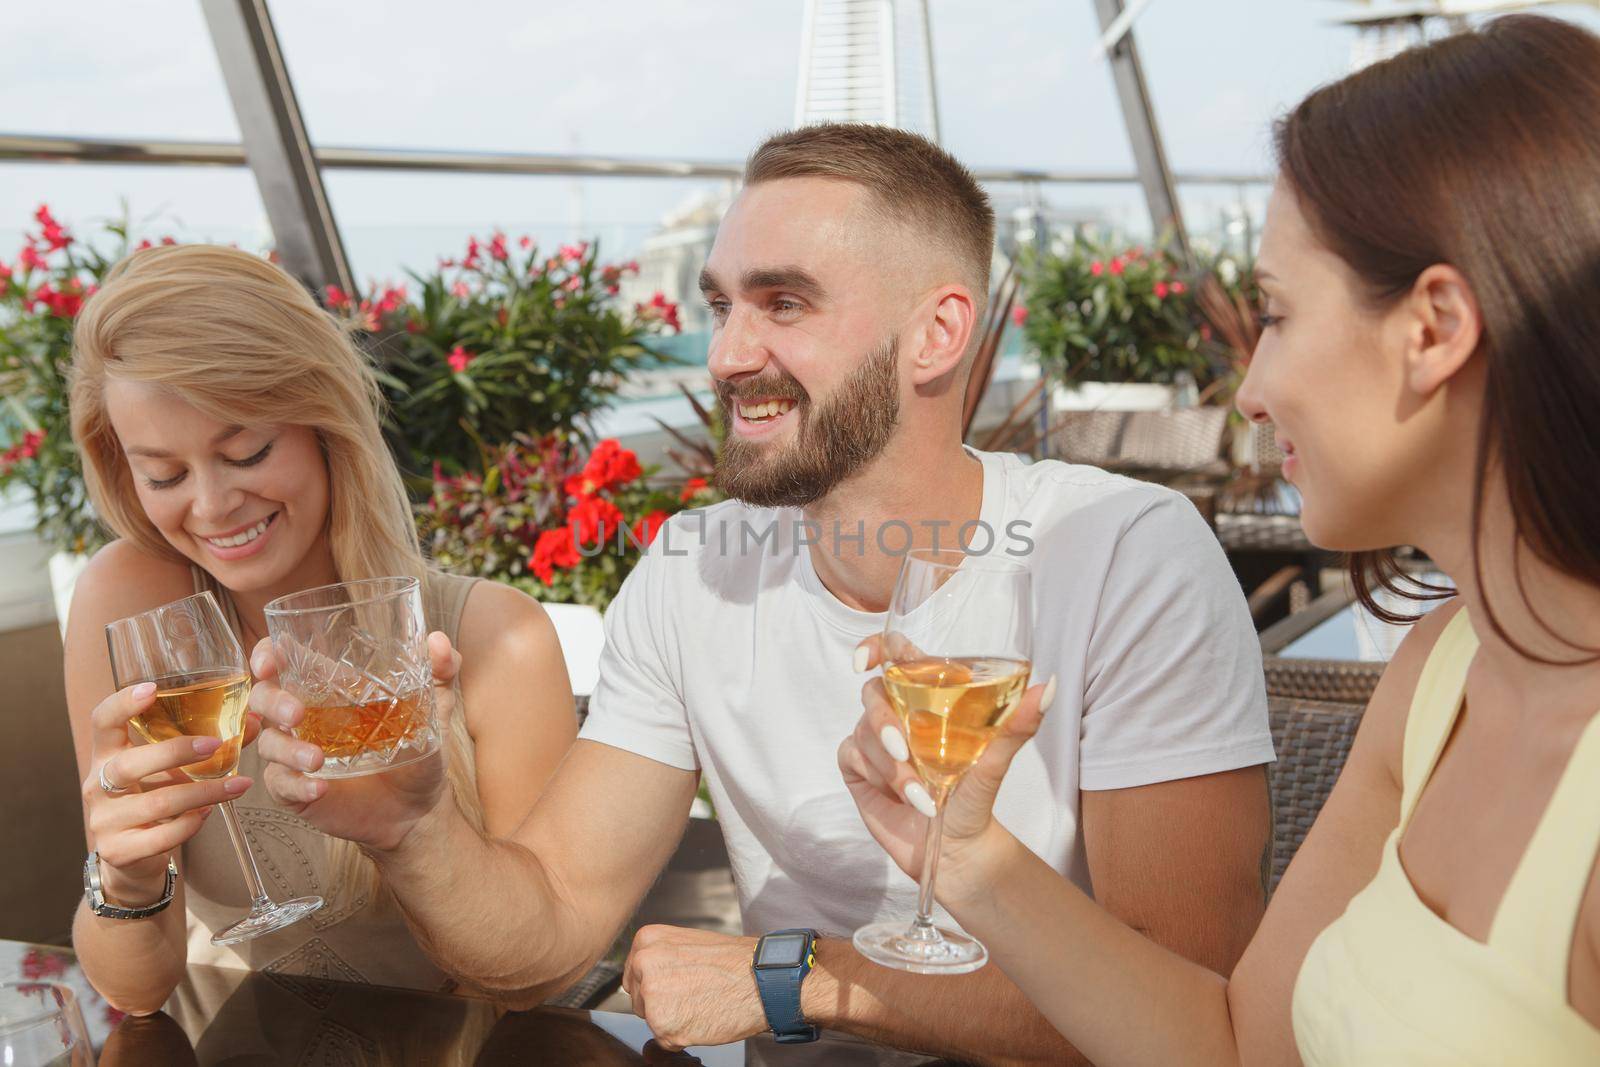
376, 810
894, 803
152, 807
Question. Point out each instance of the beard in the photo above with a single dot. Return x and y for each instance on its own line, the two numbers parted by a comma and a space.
837, 436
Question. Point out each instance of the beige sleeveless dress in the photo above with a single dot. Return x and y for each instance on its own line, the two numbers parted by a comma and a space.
347, 939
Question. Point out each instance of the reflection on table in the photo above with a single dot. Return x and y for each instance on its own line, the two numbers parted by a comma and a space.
237, 1017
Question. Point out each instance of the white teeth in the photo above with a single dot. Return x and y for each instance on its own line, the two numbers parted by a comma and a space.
242, 538
765, 410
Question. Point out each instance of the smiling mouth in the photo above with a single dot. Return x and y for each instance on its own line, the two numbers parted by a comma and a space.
764, 411
243, 537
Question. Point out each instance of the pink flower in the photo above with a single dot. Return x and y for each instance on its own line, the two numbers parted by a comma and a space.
1161, 290
573, 284
459, 359
1117, 265
1097, 268
525, 242
1179, 288
5, 272
54, 235
1019, 314
662, 310
169, 241
29, 258
551, 264
497, 248
460, 291
471, 260
144, 244
337, 297
571, 253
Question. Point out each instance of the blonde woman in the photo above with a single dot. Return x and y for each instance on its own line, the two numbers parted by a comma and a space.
230, 438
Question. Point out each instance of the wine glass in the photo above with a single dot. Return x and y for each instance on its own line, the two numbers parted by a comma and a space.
202, 689
355, 654
41, 1026
957, 643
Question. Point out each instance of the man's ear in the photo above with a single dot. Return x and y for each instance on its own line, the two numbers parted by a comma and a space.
948, 322
1443, 328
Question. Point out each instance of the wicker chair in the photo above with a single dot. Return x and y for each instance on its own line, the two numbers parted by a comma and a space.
1312, 739
1157, 445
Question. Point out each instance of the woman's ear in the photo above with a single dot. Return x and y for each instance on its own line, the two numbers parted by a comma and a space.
1445, 328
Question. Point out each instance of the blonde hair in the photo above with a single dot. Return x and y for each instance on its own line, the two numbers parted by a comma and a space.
239, 339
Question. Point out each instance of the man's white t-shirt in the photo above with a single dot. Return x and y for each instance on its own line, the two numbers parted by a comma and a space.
726, 654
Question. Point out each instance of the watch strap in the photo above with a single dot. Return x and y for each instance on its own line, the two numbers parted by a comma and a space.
94, 892
779, 989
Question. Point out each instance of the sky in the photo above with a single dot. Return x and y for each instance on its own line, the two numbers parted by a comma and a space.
693, 79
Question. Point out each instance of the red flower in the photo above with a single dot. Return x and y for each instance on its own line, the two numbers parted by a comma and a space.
5, 272
1117, 265
391, 300
690, 488
63, 303
645, 530
502, 316
1179, 288
29, 258
525, 242
144, 244
1019, 314
54, 235
613, 290
1097, 268
497, 248
459, 359
413, 326
1205, 332
169, 240
573, 253
554, 548
593, 519
1161, 289
473, 257
662, 310
610, 465
338, 298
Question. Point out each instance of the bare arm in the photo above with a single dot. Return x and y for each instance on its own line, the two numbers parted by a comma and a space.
1179, 862
1124, 999
135, 964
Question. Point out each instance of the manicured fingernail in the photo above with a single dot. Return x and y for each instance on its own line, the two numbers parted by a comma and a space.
894, 743
307, 759
144, 690
1049, 696
917, 796
862, 655
207, 745
234, 786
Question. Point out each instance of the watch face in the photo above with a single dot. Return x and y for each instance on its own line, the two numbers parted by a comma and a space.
782, 950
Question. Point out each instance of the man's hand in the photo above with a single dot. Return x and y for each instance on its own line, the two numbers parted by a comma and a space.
693, 987
377, 810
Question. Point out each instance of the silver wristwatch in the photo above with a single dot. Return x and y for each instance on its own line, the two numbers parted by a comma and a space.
96, 897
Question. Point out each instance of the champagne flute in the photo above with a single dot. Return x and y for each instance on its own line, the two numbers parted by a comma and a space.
957, 643
41, 1026
202, 689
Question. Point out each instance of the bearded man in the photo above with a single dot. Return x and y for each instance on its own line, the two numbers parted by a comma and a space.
846, 284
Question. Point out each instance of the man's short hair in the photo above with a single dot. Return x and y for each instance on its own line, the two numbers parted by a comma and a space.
913, 181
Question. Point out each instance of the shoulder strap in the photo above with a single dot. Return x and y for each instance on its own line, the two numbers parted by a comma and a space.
1536, 918
1434, 707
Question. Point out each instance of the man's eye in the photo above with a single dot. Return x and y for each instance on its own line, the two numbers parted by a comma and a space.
787, 307
718, 308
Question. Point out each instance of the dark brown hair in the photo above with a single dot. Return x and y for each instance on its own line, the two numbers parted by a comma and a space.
1482, 151
913, 181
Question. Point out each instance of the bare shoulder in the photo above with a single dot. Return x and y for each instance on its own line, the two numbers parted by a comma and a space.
498, 618
509, 648
121, 580
1384, 725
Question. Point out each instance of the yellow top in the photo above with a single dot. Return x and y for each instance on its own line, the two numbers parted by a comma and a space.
1390, 981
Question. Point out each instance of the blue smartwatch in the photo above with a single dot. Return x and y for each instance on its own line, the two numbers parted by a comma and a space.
782, 961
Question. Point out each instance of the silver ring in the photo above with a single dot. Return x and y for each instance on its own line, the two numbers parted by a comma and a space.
105, 783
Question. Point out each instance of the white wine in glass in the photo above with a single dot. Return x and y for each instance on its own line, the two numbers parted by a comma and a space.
957, 642
189, 652
204, 704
